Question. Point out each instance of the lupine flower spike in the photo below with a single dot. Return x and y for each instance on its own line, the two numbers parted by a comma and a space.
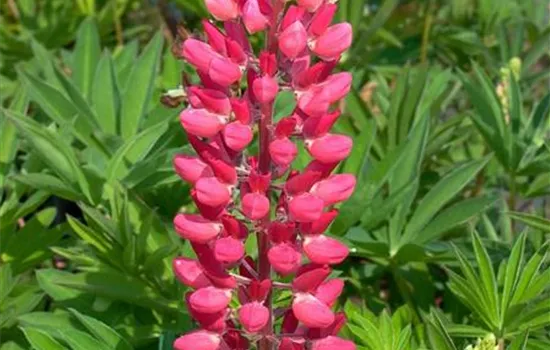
238, 193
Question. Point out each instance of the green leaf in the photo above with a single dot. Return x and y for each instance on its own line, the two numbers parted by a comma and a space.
533, 221
529, 275
453, 216
86, 56
139, 88
112, 285
439, 195
101, 242
136, 148
512, 275
487, 275
105, 95
52, 149
8, 135
41, 340
50, 184
284, 104
101, 331
438, 336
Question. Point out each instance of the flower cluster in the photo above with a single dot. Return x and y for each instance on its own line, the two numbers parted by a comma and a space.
238, 193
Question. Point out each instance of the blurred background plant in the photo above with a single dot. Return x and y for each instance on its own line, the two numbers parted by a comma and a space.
449, 228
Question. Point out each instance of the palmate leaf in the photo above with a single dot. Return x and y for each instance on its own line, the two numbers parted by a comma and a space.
54, 151
438, 337
101, 331
112, 285
440, 195
533, 221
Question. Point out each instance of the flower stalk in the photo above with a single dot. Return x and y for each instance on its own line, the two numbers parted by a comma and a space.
238, 193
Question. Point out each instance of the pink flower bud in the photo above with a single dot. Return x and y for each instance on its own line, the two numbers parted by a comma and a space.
198, 54
335, 189
223, 10
268, 63
293, 40
310, 5
216, 39
322, 19
253, 316
190, 273
293, 14
199, 340
191, 169
284, 258
212, 268
321, 225
291, 344
313, 102
309, 277
329, 291
210, 300
254, 20
195, 228
333, 343
212, 192
224, 72
265, 89
214, 158
237, 136
236, 52
316, 127
311, 311
213, 100
282, 232
324, 250
228, 250
236, 32
255, 205
333, 42
241, 110
330, 148
234, 227
336, 86
200, 122
283, 151
286, 126
305, 207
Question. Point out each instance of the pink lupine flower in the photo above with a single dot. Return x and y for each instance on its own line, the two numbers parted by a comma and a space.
223, 10
333, 42
237, 136
331, 343
305, 207
253, 316
265, 89
293, 40
191, 169
195, 228
311, 311
283, 151
228, 250
190, 272
210, 300
200, 340
212, 192
322, 250
253, 18
201, 122
288, 209
310, 5
330, 148
334, 189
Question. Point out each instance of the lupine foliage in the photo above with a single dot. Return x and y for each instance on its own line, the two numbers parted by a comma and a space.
108, 104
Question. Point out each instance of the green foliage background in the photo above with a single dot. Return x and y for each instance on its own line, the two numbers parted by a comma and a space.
449, 227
